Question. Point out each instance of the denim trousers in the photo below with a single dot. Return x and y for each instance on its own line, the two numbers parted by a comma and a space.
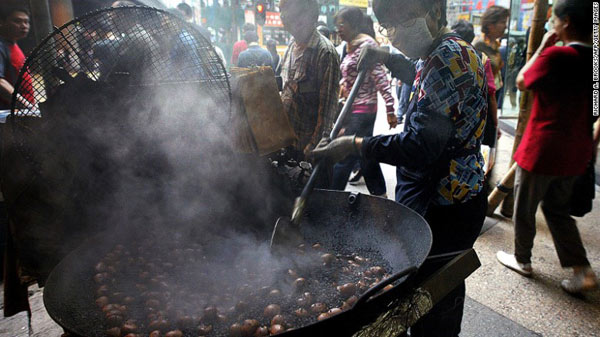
360, 125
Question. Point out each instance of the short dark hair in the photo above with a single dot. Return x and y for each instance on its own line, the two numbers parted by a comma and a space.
248, 27
8, 10
465, 29
250, 36
578, 11
383, 8
492, 15
310, 6
361, 22
186, 9
324, 30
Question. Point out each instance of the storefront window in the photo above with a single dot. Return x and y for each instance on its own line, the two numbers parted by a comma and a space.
513, 44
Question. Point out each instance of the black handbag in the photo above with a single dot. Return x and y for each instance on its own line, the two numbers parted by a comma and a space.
584, 192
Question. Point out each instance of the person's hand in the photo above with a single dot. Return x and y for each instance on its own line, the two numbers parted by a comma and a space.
370, 56
307, 150
549, 39
336, 149
392, 120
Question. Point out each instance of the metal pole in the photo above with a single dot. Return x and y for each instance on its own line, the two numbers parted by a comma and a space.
62, 11
41, 20
540, 10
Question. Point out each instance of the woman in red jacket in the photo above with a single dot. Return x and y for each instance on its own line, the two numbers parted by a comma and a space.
557, 144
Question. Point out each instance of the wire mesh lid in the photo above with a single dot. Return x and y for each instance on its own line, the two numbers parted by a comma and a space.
137, 45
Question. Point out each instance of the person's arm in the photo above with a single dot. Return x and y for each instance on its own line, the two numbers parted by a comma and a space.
418, 146
401, 67
549, 40
6, 90
382, 84
425, 138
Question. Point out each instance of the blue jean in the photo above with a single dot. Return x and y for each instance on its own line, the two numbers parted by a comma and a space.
360, 125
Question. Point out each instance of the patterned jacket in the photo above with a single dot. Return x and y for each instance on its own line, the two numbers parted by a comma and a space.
447, 121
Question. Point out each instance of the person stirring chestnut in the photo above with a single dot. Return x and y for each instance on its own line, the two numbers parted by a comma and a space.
438, 153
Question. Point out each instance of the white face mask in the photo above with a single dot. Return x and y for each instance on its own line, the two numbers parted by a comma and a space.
414, 41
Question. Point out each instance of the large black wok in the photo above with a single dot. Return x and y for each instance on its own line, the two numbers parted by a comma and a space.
346, 223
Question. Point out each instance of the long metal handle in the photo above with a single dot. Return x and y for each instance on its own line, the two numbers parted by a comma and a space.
379, 286
310, 184
348, 105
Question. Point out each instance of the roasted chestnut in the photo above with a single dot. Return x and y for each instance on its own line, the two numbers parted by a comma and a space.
114, 332
275, 329
261, 332
334, 311
278, 319
114, 320
323, 316
235, 330
204, 329
101, 278
275, 294
301, 312
129, 327
318, 308
154, 333
249, 327
299, 284
102, 301
347, 290
352, 299
271, 310
174, 333
377, 271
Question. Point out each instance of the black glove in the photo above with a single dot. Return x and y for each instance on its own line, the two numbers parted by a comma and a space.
336, 149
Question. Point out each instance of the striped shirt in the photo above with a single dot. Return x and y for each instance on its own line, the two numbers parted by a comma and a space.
376, 81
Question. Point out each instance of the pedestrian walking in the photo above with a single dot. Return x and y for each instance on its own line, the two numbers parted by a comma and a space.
255, 55
356, 29
241, 45
493, 26
557, 144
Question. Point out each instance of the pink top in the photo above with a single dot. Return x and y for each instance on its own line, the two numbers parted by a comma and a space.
377, 81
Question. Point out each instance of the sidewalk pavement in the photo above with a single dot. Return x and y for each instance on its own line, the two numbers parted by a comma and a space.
503, 303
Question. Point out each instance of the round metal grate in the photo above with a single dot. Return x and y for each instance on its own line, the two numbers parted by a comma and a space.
137, 45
